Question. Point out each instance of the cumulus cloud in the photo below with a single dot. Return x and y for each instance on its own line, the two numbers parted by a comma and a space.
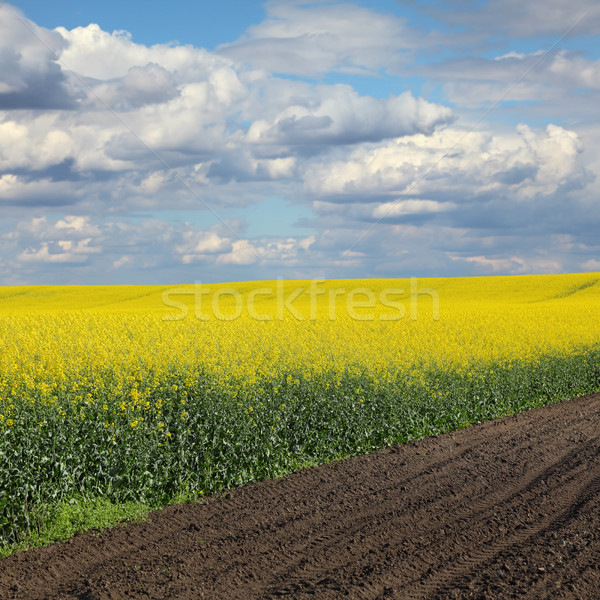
41, 228
99, 55
391, 185
341, 116
242, 253
275, 251
546, 78
180, 113
575, 70
65, 251
16, 190
401, 208
514, 264
242, 165
69, 240
198, 245
304, 38
457, 165
193, 106
118, 248
148, 84
31, 77
479, 202
591, 265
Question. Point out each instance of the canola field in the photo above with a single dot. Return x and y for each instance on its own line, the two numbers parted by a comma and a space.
152, 394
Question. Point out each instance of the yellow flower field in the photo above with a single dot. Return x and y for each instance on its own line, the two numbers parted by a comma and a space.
146, 393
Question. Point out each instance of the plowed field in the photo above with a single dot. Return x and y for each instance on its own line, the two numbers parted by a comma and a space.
505, 509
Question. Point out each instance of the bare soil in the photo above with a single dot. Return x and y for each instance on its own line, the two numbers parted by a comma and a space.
505, 509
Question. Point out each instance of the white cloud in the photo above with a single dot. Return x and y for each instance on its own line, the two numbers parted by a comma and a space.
64, 251
515, 18
148, 84
302, 38
196, 245
502, 198
410, 207
70, 233
97, 54
457, 165
30, 78
592, 265
282, 251
514, 265
33, 143
242, 253
121, 262
518, 55
552, 80
105, 247
204, 116
573, 70
16, 190
75, 225
341, 116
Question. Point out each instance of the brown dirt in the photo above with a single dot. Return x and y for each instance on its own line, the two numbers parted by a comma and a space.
506, 509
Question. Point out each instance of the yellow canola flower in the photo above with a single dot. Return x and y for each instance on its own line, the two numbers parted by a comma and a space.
116, 349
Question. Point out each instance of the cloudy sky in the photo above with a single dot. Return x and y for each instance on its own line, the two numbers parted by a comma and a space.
177, 142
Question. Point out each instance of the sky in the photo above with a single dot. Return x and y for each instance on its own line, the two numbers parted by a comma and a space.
165, 143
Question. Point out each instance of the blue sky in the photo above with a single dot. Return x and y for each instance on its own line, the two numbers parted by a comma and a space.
177, 142
201, 24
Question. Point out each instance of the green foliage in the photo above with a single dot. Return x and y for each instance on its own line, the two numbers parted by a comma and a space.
63, 476
74, 516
